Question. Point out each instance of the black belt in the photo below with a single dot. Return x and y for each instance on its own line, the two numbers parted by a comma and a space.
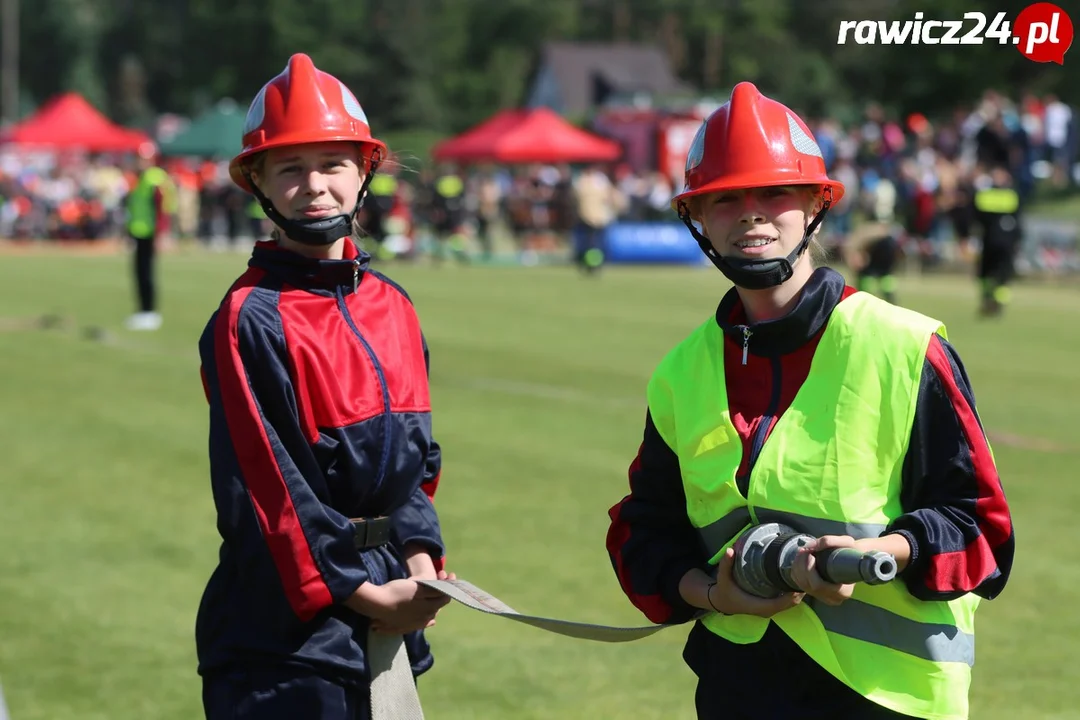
371, 532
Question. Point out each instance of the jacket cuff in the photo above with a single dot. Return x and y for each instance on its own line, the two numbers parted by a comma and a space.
910, 537
417, 522
343, 586
433, 548
681, 611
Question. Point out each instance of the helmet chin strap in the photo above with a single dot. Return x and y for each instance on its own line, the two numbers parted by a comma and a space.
754, 274
317, 232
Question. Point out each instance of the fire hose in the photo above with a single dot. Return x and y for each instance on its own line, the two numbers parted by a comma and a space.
764, 555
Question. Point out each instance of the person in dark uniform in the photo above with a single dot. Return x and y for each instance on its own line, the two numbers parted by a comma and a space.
322, 461
882, 250
382, 195
996, 209
449, 214
873, 248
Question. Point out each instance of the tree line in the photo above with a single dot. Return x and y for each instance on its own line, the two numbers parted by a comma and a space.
442, 65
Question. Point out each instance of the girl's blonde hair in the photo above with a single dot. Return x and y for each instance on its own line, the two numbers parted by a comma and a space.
818, 254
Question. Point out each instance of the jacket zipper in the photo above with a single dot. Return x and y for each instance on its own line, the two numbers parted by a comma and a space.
757, 443
388, 420
746, 333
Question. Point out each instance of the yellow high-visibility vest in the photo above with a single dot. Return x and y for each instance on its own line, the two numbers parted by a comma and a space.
831, 466
141, 214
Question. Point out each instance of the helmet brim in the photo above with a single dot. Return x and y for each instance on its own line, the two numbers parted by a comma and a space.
755, 180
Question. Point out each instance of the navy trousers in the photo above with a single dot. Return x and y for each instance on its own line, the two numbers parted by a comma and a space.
282, 695
772, 678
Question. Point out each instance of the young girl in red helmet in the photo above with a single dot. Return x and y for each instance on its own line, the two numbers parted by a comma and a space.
806, 403
322, 461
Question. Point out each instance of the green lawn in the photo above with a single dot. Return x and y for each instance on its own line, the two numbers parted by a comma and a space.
1056, 204
538, 378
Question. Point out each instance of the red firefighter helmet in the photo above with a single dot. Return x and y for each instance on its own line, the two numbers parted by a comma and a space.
753, 141
303, 105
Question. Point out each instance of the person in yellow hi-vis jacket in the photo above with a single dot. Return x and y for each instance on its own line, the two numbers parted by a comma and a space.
806, 402
149, 206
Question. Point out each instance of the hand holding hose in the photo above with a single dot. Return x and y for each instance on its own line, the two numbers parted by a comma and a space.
725, 595
805, 572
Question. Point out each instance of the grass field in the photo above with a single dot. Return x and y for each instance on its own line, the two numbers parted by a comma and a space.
106, 520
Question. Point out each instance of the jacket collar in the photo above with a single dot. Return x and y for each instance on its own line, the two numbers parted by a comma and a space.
786, 334
310, 273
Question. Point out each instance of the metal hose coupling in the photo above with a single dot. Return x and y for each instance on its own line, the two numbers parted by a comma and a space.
764, 555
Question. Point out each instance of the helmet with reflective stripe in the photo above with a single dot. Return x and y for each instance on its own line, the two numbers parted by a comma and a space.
751, 142
305, 105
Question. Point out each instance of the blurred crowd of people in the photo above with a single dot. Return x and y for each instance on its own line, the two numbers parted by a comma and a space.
536, 205
82, 197
923, 174
914, 170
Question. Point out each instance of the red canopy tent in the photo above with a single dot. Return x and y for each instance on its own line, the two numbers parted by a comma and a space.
68, 121
527, 136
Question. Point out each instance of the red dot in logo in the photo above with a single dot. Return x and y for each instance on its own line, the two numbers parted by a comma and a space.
1043, 32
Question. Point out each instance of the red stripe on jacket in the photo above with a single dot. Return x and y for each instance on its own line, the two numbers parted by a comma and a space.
303, 583
966, 569
655, 608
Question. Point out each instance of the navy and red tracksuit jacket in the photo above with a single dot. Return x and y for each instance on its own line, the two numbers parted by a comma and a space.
955, 514
316, 375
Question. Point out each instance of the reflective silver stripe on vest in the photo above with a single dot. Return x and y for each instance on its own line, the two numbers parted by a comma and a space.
929, 641
818, 527
717, 534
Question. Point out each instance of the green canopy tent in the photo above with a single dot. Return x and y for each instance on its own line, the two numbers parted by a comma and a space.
214, 134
